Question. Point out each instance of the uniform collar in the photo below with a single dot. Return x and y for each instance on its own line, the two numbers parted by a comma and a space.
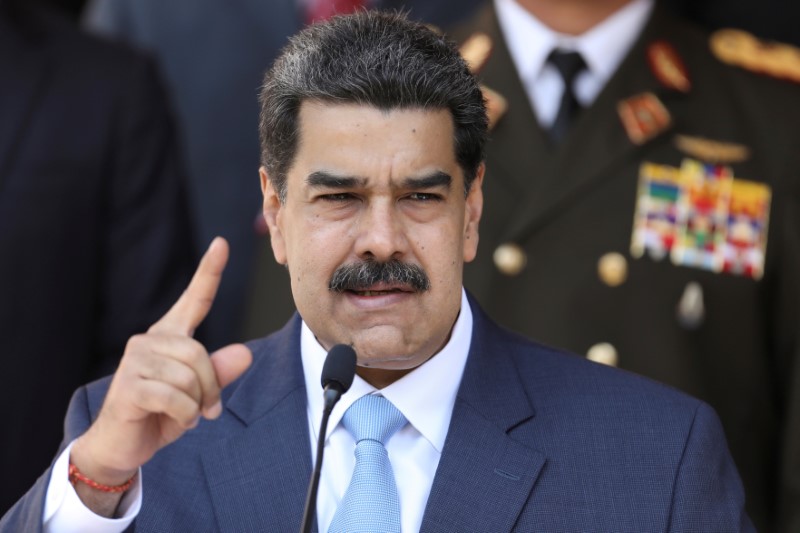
603, 47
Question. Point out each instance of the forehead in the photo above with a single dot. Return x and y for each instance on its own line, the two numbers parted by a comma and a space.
371, 142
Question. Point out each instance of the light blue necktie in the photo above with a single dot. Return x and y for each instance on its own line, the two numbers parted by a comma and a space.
371, 503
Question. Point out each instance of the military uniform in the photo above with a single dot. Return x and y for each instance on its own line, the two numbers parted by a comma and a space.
662, 235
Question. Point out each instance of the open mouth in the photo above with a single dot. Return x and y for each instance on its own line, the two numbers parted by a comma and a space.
377, 292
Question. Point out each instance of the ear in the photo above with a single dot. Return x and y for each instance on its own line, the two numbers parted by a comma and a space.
272, 215
472, 215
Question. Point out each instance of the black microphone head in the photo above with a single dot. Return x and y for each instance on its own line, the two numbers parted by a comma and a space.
340, 367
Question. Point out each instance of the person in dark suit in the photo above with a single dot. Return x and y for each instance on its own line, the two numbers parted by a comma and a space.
659, 233
372, 192
93, 223
214, 55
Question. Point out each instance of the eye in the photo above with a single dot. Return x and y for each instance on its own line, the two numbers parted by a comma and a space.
424, 197
337, 197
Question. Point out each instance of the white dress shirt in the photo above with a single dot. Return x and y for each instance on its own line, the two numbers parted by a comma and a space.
603, 48
414, 450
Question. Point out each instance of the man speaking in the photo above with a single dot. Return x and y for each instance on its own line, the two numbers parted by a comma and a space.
372, 132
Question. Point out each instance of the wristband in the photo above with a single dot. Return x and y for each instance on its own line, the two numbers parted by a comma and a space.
75, 476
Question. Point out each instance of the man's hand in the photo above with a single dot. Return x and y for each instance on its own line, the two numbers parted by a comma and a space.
165, 382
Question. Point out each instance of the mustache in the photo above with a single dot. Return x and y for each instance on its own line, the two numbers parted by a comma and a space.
361, 276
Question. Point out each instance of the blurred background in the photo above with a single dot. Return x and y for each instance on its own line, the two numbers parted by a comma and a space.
769, 19
197, 67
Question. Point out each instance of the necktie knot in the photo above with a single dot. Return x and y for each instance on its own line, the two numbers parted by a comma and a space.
568, 64
373, 418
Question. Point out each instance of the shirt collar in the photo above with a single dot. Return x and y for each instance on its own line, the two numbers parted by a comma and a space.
603, 47
439, 378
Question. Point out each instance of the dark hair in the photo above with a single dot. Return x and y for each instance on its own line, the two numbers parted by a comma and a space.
372, 58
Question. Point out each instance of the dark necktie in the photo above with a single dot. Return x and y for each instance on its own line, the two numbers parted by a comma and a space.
569, 65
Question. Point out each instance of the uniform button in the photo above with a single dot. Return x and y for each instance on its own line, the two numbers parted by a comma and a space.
613, 269
604, 353
691, 310
510, 259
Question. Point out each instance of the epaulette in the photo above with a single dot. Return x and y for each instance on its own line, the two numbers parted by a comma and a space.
496, 105
742, 49
476, 51
667, 66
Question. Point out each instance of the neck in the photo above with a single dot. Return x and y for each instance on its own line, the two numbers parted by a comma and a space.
380, 377
572, 17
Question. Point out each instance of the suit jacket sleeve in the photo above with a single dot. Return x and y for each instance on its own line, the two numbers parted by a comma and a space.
26, 515
708, 494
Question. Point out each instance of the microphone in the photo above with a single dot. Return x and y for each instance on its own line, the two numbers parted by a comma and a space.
337, 376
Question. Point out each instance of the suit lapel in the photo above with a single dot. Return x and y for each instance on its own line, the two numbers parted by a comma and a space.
27, 67
485, 476
258, 476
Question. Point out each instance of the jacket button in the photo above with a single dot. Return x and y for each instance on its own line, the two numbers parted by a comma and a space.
612, 269
510, 259
604, 353
691, 310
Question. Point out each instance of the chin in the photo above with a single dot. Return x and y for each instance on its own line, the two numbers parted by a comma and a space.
400, 363
382, 354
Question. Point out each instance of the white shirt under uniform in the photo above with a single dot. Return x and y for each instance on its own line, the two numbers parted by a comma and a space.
603, 48
414, 450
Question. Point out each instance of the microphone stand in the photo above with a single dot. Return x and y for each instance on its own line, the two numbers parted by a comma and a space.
331, 396
337, 376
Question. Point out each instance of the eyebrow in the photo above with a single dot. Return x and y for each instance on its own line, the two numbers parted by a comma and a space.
437, 179
323, 179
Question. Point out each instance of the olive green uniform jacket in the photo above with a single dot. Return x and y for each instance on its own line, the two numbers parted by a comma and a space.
729, 339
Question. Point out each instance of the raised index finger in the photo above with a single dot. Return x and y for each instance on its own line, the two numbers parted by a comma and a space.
195, 302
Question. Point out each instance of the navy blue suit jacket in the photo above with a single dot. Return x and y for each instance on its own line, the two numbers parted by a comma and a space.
540, 440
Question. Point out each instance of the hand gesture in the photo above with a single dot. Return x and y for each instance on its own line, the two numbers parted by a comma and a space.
165, 381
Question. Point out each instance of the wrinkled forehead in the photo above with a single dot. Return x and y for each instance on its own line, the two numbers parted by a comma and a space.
353, 114
364, 141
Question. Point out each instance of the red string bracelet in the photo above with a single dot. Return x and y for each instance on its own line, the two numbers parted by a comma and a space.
75, 476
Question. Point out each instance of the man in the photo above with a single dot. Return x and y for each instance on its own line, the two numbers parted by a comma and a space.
217, 51
372, 191
659, 233
93, 222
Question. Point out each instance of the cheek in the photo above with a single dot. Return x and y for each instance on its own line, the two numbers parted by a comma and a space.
315, 252
442, 255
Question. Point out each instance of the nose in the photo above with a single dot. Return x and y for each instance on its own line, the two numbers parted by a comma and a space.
381, 232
